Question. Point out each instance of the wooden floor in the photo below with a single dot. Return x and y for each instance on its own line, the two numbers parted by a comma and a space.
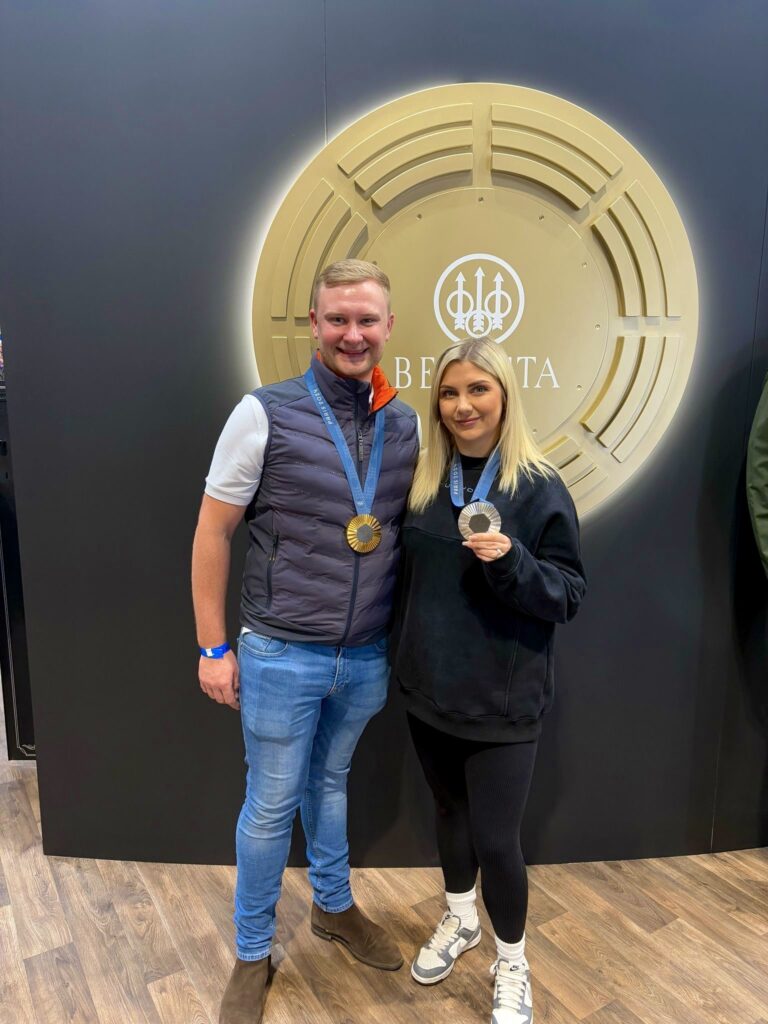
677, 941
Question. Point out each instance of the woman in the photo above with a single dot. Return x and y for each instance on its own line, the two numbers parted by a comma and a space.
490, 563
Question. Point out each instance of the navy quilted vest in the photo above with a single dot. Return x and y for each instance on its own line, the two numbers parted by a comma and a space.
302, 580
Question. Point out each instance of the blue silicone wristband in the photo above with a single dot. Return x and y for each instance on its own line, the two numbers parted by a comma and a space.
215, 652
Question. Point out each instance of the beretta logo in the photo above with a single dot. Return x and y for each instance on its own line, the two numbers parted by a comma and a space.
479, 310
503, 212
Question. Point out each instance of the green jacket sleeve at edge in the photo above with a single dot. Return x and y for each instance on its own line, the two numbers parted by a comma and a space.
757, 475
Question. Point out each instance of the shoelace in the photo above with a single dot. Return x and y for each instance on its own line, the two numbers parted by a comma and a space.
445, 934
510, 984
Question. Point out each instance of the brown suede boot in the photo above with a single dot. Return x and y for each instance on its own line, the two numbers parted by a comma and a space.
246, 991
364, 939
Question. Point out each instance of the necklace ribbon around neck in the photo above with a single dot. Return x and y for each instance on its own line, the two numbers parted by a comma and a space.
479, 516
363, 531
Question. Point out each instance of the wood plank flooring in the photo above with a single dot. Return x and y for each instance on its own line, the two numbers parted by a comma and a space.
676, 941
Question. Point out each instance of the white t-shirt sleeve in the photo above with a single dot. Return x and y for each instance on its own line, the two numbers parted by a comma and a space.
238, 460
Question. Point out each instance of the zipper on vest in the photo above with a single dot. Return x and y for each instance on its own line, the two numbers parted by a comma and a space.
353, 594
356, 566
270, 564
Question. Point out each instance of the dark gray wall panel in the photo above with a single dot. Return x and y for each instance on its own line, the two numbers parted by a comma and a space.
144, 148
143, 145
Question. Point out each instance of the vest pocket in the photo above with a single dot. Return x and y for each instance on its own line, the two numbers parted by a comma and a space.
270, 567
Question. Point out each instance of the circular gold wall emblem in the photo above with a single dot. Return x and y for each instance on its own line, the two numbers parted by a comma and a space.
502, 211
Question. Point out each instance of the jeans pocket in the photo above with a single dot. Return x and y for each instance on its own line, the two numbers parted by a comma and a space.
261, 646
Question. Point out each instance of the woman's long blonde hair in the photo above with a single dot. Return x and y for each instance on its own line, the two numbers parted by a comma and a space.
519, 452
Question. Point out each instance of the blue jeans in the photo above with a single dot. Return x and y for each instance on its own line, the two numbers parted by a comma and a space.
303, 709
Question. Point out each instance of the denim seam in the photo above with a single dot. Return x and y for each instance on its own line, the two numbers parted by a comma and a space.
335, 675
311, 823
253, 957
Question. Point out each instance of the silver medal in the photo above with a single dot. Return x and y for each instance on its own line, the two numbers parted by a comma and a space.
479, 517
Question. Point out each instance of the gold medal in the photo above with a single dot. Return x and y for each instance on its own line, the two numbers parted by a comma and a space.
479, 517
363, 534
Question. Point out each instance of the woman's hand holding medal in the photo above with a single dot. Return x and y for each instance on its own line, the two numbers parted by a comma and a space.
488, 547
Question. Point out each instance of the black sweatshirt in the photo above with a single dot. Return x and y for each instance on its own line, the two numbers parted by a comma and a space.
472, 641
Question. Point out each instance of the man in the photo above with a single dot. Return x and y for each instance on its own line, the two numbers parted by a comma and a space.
321, 464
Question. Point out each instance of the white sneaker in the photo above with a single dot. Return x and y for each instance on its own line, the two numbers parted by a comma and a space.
436, 957
512, 997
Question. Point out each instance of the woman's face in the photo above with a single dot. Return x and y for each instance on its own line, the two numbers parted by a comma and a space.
471, 405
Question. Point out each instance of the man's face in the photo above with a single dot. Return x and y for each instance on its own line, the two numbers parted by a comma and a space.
351, 323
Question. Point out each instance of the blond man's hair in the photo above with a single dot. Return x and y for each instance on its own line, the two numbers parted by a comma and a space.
349, 272
519, 452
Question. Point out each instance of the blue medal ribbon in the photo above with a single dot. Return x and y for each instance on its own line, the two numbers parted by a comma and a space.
484, 484
362, 496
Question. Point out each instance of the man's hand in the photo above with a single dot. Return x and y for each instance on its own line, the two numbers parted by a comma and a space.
220, 679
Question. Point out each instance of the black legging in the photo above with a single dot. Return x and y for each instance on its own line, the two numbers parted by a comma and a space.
480, 791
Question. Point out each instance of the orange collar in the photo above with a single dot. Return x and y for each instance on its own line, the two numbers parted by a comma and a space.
383, 392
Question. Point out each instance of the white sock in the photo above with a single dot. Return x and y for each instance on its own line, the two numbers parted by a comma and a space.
513, 952
462, 905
